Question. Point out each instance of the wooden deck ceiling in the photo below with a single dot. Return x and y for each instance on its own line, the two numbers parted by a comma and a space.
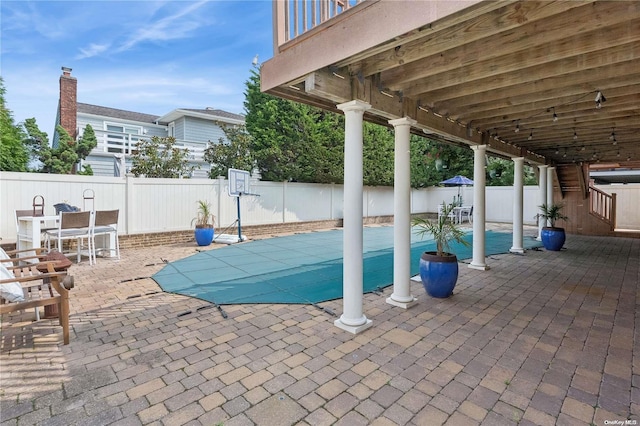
519, 76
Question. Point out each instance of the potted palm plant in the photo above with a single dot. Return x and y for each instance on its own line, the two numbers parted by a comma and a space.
205, 220
439, 269
553, 237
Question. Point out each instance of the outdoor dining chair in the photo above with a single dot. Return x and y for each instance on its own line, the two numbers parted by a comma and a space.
466, 212
451, 216
73, 226
105, 224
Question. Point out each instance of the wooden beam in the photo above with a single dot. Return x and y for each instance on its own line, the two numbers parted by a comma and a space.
437, 39
529, 105
510, 47
564, 68
373, 60
571, 115
448, 104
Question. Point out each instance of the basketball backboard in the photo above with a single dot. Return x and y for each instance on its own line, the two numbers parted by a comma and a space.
238, 182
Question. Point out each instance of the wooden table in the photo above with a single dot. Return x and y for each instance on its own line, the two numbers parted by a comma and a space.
51, 311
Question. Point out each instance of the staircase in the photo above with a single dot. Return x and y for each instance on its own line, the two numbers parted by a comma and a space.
573, 178
573, 181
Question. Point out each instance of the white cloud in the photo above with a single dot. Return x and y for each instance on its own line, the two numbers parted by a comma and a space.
92, 50
168, 28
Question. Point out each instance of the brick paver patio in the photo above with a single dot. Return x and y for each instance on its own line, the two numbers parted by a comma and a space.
541, 339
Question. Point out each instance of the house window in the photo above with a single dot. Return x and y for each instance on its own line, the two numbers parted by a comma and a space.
122, 138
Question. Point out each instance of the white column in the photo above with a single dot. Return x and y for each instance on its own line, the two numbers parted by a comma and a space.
550, 172
479, 180
401, 295
542, 189
518, 200
353, 319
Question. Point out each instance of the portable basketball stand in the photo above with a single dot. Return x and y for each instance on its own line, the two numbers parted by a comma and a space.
238, 187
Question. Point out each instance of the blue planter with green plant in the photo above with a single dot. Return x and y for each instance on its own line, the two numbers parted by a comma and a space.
205, 222
552, 237
439, 269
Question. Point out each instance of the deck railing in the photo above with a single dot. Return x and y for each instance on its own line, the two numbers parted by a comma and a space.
295, 17
603, 206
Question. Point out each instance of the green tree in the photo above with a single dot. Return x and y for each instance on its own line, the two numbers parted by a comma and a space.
297, 142
232, 153
500, 172
14, 156
292, 141
329, 167
275, 126
378, 155
36, 139
87, 170
160, 158
433, 162
86, 143
62, 159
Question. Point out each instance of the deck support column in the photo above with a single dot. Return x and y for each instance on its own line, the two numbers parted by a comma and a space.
353, 320
542, 189
401, 295
518, 200
550, 172
479, 208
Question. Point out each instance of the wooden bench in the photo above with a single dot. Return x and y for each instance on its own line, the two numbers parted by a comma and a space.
42, 289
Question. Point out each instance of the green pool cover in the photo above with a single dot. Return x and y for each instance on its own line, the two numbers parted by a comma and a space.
301, 268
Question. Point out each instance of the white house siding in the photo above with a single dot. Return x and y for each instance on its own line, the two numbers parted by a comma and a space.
102, 165
201, 130
179, 128
96, 122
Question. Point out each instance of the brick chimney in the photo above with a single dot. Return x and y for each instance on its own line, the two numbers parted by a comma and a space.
68, 102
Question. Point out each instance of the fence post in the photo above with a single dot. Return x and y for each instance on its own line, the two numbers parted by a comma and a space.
220, 188
333, 185
284, 201
129, 202
613, 211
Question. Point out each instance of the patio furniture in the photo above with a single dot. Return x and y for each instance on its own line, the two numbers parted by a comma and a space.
465, 212
61, 264
451, 216
39, 289
106, 226
73, 226
16, 257
12, 259
29, 229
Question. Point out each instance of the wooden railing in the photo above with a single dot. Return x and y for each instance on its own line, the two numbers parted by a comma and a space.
603, 206
295, 17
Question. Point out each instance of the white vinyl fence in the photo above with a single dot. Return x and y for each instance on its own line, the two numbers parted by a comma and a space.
162, 205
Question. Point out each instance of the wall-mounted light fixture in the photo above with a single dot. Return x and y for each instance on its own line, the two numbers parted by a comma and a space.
600, 99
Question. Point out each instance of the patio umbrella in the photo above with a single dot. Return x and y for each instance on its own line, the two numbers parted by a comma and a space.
458, 181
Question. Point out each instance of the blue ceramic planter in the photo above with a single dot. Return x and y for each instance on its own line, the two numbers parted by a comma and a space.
552, 238
204, 236
439, 274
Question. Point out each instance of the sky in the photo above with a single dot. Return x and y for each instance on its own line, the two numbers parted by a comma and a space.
144, 56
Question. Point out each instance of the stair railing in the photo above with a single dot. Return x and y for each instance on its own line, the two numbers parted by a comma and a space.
603, 206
